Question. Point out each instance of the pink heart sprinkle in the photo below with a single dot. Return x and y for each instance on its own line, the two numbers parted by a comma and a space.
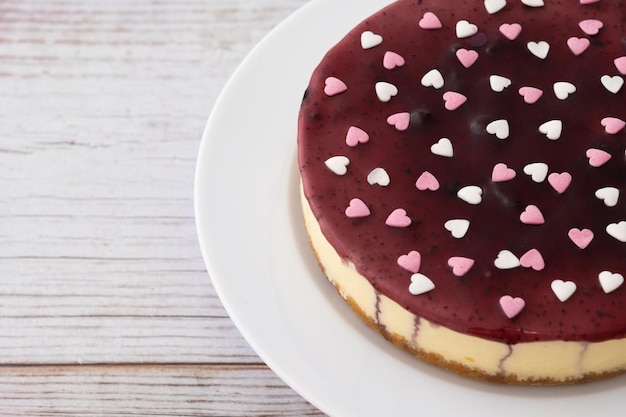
581, 238
411, 261
430, 21
597, 157
427, 181
578, 45
591, 26
453, 100
355, 136
612, 125
392, 60
501, 173
467, 57
530, 94
532, 215
620, 64
560, 182
334, 86
460, 265
511, 307
400, 120
532, 259
357, 208
398, 218
511, 31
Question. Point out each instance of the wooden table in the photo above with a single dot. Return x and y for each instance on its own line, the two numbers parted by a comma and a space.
105, 304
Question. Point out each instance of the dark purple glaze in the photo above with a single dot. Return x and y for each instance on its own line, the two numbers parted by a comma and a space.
470, 304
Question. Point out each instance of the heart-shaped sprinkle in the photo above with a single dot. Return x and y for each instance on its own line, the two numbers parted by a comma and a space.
563, 289
532, 259
613, 84
357, 208
591, 26
334, 86
430, 21
453, 100
393, 60
471, 194
560, 181
385, 91
610, 281
355, 136
617, 230
612, 125
578, 45
532, 215
538, 171
433, 78
533, 3
378, 176
498, 83
620, 64
530, 94
552, 129
443, 148
511, 30
411, 261
500, 128
398, 218
597, 157
510, 306
400, 120
563, 89
610, 196
370, 39
539, 49
502, 173
460, 265
420, 284
427, 181
467, 57
465, 29
581, 238
506, 260
457, 227
494, 6
338, 164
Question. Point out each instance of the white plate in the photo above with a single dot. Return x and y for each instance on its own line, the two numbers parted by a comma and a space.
257, 253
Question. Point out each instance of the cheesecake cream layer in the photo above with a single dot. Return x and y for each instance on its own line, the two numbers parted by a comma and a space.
543, 362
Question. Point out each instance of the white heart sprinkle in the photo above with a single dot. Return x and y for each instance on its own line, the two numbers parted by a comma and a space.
533, 3
494, 6
539, 49
443, 148
420, 284
378, 176
385, 91
552, 129
370, 39
563, 289
538, 171
471, 194
610, 196
617, 230
613, 84
506, 260
433, 78
563, 89
498, 83
610, 281
457, 227
465, 29
500, 128
338, 164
